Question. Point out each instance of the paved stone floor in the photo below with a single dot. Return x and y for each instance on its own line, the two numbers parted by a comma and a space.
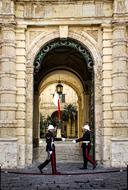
71, 179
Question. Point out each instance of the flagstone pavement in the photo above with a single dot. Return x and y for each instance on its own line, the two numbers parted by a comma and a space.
72, 178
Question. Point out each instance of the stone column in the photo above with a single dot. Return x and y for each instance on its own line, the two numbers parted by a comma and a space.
68, 129
8, 81
21, 92
120, 81
120, 96
80, 122
29, 113
73, 128
106, 130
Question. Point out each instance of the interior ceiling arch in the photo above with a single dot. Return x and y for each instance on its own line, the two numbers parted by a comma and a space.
65, 77
65, 55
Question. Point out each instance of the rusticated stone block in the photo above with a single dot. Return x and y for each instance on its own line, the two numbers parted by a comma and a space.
8, 152
119, 152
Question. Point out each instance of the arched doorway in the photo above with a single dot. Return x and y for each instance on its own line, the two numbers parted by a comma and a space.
68, 107
66, 56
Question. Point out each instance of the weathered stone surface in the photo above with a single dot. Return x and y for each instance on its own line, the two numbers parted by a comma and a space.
119, 152
8, 152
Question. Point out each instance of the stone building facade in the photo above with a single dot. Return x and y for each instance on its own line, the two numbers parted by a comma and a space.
32, 32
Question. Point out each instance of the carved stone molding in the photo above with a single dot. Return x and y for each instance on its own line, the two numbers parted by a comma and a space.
93, 34
9, 106
7, 6
63, 43
120, 6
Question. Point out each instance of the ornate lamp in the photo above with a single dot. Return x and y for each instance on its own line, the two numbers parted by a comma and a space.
59, 88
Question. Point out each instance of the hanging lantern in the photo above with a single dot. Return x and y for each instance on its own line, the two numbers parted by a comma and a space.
59, 88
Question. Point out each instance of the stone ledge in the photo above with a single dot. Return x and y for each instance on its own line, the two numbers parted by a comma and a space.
8, 121
7, 139
119, 139
119, 121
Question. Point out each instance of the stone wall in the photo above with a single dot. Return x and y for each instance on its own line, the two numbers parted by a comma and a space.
101, 26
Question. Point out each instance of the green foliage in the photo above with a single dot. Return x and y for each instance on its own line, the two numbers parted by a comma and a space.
43, 125
70, 111
44, 122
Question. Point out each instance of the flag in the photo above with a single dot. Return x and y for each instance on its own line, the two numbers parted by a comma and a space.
56, 101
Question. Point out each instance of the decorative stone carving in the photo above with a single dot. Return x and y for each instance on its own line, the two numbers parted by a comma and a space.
67, 9
28, 11
6, 6
63, 43
93, 34
34, 34
63, 31
120, 6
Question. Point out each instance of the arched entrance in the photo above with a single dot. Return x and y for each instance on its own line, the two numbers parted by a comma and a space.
65, 56
35, 48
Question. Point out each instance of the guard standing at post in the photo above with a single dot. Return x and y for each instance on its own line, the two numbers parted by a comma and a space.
50, 149
86, 146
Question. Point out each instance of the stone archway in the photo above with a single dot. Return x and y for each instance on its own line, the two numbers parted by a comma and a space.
91, 45
74, 82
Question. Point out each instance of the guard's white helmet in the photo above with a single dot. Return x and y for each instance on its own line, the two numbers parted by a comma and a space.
86, 127
51, 127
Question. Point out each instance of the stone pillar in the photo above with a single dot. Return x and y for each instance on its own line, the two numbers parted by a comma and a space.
73, 128
8, 81
68, 129
120, 81
29, 113
106, 130
80, 112
21, 93
120, 95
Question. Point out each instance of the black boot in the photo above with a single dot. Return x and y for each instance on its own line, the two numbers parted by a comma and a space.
94, 166
41, 166
83, 168
40, 169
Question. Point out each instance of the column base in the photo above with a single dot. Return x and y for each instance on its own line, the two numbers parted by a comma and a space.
119, 152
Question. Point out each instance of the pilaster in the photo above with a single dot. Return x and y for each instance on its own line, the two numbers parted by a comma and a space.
120, 95
119, 75
21, 92
29, 113
106, 93
8, 104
